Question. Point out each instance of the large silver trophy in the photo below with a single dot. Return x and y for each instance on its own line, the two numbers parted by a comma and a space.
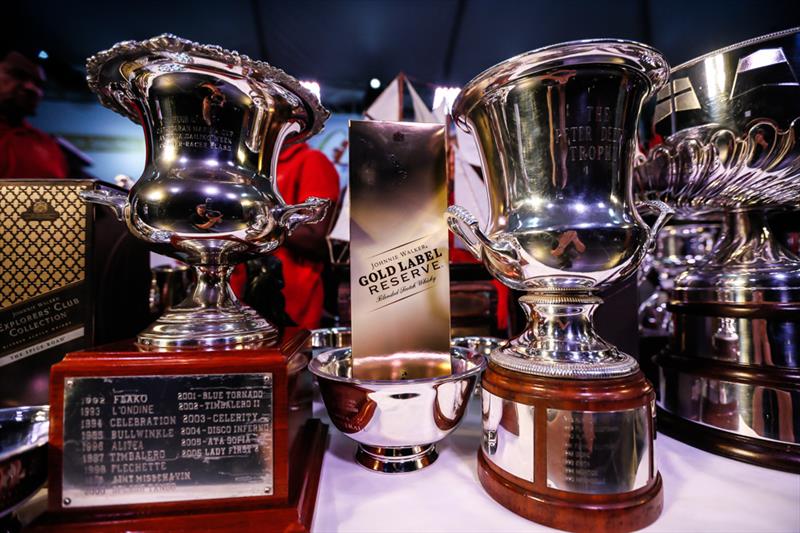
730, 122
214, 123
556, 131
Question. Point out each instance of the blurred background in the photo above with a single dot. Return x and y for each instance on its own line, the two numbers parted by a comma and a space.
351, 48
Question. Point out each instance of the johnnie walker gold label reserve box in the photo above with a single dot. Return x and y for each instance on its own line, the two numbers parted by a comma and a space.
399, 268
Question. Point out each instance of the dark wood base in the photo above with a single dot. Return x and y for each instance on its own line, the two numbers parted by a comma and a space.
596, 513
758, 452
296, 516
544, 497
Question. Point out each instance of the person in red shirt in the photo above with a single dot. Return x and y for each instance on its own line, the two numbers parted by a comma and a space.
25, 152
302, 172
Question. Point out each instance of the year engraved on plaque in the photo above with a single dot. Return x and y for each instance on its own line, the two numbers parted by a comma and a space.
166, 438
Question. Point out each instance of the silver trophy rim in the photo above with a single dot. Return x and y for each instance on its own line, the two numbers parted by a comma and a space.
475, 359
737, 46
643, 58
168, 43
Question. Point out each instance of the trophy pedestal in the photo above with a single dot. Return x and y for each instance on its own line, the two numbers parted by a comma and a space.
220, 439
743, 412
571, 454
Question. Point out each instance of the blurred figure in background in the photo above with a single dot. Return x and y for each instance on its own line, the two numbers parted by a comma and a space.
302, 172
25, 152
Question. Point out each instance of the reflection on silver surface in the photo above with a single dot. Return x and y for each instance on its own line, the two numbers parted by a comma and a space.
678, 246
395, 422
215, 122
508, 435
23, 454
768, 342
599, 452
745, 409
556, 128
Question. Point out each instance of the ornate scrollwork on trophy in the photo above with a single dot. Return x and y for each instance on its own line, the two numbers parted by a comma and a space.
711, 168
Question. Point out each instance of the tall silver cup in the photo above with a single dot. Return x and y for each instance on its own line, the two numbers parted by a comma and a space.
214, 122
567, 416
556, 132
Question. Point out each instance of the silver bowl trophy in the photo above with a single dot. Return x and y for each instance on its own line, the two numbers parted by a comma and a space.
214, 123
730, 122
397, 422
568, 418
23, 458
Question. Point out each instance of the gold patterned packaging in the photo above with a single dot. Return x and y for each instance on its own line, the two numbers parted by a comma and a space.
44, 229
399, 270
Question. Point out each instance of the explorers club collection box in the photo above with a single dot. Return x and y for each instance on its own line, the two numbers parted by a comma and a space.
60, 289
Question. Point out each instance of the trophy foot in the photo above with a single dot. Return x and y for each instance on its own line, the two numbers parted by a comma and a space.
188, 328
394, 460
561, 342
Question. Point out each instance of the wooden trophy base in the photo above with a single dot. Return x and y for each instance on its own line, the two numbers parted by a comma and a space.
575, 455
747, 413
229, 429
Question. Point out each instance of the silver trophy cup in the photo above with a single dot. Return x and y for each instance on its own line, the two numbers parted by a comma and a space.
556, 133
567, 416
214, 123
729, 124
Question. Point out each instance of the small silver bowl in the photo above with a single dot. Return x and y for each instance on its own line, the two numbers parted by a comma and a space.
23, 454
397, 422
325, 339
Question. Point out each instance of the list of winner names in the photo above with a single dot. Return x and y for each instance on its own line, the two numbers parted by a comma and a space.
129, 443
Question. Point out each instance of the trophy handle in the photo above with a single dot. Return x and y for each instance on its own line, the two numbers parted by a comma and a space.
113, 199
309, 212
465, 225
665, 212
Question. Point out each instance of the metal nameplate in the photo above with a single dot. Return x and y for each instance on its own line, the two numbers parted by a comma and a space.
508, 435
167, 438
598, 452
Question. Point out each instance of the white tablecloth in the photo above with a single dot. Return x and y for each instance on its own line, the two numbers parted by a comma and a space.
702, 492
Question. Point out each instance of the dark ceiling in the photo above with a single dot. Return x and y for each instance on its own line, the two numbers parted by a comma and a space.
344, 43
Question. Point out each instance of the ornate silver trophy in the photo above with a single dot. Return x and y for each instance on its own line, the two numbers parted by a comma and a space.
556, 132
214, 123
730, 122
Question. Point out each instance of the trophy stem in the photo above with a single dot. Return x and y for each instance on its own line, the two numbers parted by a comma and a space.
210, 316
560, 340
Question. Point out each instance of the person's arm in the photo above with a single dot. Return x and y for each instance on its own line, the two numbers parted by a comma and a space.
318, 178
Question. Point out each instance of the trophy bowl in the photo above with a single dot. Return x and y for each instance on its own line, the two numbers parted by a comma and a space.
730, 122
397, 422
214, 123
23, 454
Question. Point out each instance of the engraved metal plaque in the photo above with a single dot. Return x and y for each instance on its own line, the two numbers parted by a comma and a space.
166, 438
508, 430
604, 452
